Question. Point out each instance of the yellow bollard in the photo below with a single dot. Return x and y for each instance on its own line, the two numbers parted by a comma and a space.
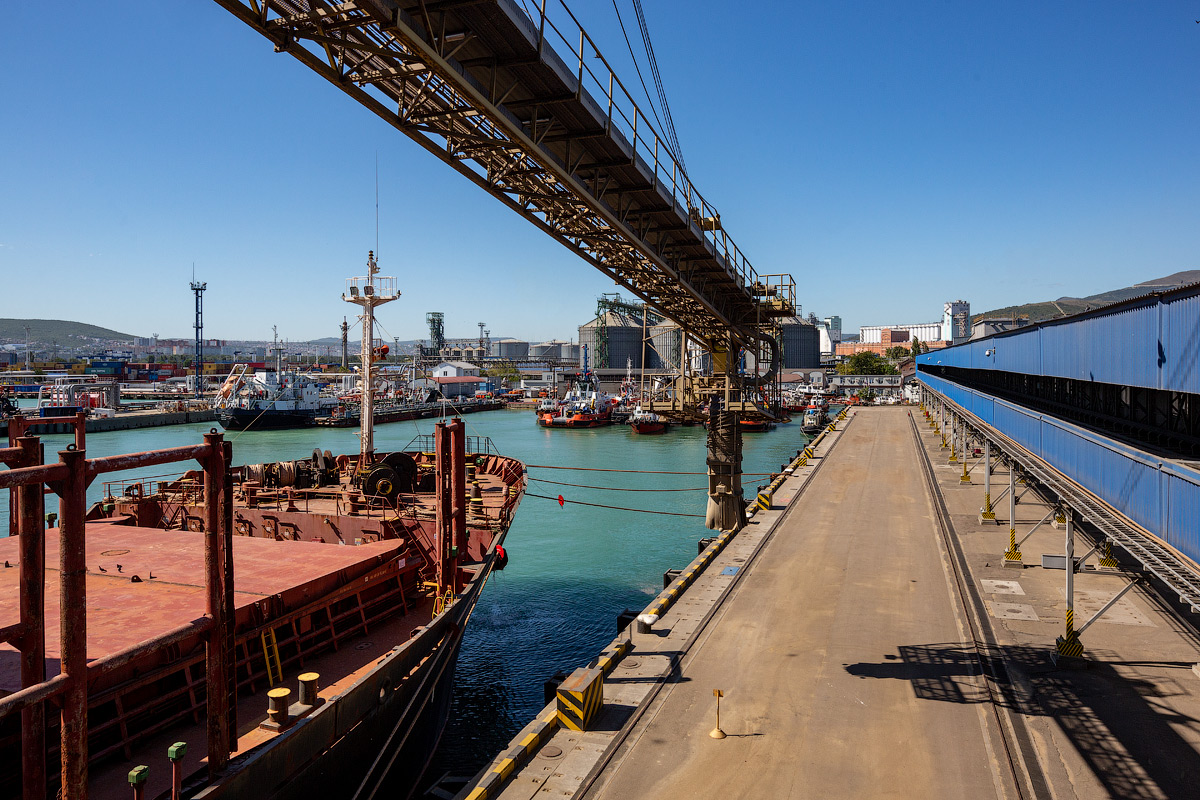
717, 733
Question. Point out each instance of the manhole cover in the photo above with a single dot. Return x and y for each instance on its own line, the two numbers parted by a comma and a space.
114, 552
630, 664
550, 751
364, 645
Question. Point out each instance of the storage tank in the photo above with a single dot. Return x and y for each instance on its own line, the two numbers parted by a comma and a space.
546, 350
510, 348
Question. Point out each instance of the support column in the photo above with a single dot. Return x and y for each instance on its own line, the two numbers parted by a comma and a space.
953, 439
1012, 556
30, 512
987, 512
218, 605
458, 498
1068, 645
726, 510
73, 738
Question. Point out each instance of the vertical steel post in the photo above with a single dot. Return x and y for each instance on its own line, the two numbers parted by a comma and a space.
987, 512
30, 502
73, 625
1012, 556
442, 504
1068, 644
216, 606
458, 497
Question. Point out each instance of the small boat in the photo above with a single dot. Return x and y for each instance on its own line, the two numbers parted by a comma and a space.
583, 407
755, 425
812, 421
645, 422
265, 400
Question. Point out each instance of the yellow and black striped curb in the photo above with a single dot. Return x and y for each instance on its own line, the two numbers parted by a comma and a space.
579, 698
608, 659
493, 780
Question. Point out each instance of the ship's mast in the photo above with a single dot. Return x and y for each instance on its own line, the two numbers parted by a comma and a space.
369, 291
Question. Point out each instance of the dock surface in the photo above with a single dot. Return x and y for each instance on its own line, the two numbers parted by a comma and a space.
871, 643
818, 652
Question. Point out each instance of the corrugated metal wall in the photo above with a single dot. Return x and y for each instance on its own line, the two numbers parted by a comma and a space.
1161, 496
1152, 343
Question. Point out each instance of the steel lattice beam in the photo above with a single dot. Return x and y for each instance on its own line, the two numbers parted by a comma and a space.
516, 145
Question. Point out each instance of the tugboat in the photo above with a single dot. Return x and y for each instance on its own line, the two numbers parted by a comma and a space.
583, 407
645, 422
812, 421
352, 576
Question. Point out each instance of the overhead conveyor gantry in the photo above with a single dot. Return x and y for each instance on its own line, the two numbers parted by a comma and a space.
528, 109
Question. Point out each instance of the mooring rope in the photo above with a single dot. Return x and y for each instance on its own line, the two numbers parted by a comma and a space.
637, 471
616, 488
614, 508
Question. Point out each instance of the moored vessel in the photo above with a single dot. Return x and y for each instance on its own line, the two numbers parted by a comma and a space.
583, 407
189, 603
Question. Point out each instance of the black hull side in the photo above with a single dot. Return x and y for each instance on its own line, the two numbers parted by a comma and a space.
242, 419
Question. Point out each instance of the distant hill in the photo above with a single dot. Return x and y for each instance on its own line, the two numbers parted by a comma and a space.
56, 330
1064, 306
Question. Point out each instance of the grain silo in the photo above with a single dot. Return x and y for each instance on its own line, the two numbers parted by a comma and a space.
613, 341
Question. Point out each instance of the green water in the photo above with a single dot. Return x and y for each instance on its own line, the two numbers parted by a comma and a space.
571, 569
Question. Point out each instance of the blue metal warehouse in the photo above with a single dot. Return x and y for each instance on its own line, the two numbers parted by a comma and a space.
1109, 398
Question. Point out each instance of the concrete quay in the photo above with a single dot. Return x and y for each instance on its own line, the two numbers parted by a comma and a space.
869, 642
126, 420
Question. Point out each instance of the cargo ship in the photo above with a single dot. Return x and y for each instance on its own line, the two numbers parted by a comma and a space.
277, 630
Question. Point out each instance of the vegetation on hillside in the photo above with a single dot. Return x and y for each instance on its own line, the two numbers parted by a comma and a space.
56, 330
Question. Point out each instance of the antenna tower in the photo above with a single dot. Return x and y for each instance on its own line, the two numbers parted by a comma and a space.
481, 336
369, 291
199, 288
345, 344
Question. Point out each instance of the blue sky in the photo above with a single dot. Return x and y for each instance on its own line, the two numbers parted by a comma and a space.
889, 155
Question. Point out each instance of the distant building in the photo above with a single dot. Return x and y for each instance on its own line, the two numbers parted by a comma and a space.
455, 369
956, 321
801, 343
989, 327
879, 348
925, 331
458, 385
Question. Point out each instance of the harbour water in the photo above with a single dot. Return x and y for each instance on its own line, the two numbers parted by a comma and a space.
572, 568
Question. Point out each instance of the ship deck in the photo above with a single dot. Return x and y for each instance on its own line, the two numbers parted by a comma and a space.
122, 613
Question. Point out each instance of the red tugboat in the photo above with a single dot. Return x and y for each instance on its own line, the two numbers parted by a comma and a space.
644, 422
293, 625
583, 407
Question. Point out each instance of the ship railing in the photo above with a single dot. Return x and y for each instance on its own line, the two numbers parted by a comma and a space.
475, 445
186, 488
67, 694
